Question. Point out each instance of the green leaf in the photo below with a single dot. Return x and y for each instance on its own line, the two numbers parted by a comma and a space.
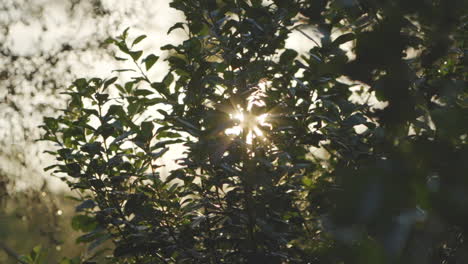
83, 223
120, 88
197, 221
129, 86
80, 84
156, 155
168, 134
123, 47
99, 241
176, 26
124, 250
168, 47
124, 34
109, 82
123, 70
50, 167
134, 108
142, 92
154, 101
136, 54
115, 110
343, 39
187, 124
168, 79
288, 56
138, 40
150, 60
102, 98
120, 58
91, 236
356, 119
160, 88
110, 41
147, 130
87, 204
177, 62
36, 253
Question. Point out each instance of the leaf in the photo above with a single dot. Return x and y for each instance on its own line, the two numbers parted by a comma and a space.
122, 137
177, 62
92, 148
120, 88
115, 110
142, 92
186, 124
287, 56
343, 39
36, 253
176, 26
168, 79
138, 40
91, 236
354, 120
123, 70
83, 223
147, 130
123, 47
160, 88
155, 101
124, 250
120, 58
80, 84
198, 220
168, 47
134, 203
134, 108
136, 54
150, 60
129, 86
110, 41
124, 34
109, 82
88, 204
50, 167
98, 241
156, 155
168, 134
163, 143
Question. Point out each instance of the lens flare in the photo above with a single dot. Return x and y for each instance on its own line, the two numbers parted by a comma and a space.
252, 125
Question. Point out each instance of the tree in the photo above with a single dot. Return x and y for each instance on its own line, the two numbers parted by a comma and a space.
249, 114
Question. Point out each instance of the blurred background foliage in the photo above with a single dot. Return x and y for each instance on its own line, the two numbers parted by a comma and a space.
44, 45
37, 218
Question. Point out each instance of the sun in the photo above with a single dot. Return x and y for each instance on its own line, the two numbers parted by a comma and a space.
250, 123
247, 123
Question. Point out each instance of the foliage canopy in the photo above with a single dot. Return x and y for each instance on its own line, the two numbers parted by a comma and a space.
250, 116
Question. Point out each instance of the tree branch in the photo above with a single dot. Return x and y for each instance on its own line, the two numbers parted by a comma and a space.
11, 253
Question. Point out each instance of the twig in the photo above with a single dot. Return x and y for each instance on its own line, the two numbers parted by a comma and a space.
10, 252
307, 36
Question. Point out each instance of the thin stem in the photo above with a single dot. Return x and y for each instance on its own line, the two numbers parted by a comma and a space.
10, 252
248, 193
307, 36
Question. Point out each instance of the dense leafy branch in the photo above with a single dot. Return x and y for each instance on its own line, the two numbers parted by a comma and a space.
281, 162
